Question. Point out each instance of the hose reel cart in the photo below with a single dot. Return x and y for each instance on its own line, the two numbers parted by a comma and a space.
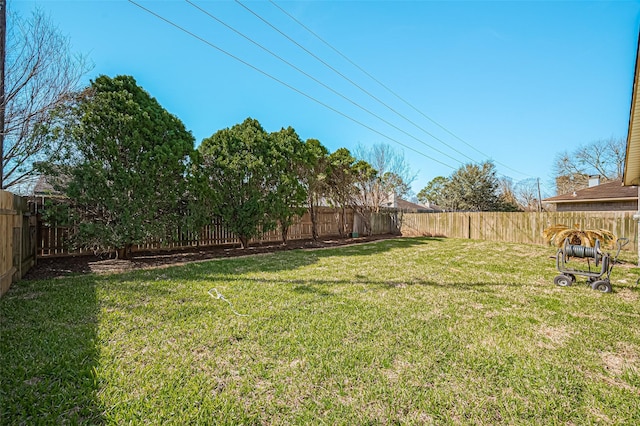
598, 279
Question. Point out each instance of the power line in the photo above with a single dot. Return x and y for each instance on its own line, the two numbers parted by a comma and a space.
391, 91
354, 83
321, 83
284, 83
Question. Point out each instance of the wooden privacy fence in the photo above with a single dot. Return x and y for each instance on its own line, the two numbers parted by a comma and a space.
385, 222
53, 240
17, 239
524, 227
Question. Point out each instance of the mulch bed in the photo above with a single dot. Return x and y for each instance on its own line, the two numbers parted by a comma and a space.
57, 267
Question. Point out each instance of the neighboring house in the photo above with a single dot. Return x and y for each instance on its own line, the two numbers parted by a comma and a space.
42, 191
43, 188
609, 196
409, 207
631, 174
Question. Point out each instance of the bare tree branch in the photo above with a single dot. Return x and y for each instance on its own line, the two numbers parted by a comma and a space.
41, 72
526, 193
394, 175
604, 157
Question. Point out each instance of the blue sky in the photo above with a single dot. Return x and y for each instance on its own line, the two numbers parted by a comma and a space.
515, 82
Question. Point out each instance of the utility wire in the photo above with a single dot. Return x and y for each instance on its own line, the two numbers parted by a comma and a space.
353, 82
284, 83
390, 90
320, 82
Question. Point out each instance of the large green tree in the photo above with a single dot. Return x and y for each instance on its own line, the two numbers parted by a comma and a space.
125, 172
237, 165
473, 187
314, 178
340, 183
434, 191
289, 159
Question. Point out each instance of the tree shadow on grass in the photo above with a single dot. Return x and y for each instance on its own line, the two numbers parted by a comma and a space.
49, 353
55, 267
294, 259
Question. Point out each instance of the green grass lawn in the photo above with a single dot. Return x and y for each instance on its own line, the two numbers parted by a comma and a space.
407, 331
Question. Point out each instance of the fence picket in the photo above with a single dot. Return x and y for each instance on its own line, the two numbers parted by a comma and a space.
519, 227
516, 227
52, 240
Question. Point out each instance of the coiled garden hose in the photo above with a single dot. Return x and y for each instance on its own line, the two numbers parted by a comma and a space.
571, 250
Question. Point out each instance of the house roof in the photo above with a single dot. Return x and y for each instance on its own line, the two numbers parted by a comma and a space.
610, 191
409, 206
43, 187
631, 174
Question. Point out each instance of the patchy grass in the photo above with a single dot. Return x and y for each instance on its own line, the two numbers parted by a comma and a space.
408, 331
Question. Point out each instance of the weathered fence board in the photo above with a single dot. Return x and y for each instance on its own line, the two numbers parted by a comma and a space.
53, 241
509, 227
17, 239
524, 227
386, 222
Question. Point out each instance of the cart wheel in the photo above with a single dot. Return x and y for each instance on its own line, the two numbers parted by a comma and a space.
573, 278
601, 285
562, 280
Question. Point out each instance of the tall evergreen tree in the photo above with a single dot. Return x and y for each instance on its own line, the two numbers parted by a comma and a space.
289, 161
434, 191
314, 178
340, 183
237, 165
473, 187
125, 172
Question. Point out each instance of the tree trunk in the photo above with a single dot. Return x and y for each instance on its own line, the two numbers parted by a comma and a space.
344, 222
285, 231
244, 241
366, 215
124, 252
313, 215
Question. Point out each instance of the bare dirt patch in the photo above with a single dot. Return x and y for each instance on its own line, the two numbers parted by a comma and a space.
555, 337
56, 267
625, 357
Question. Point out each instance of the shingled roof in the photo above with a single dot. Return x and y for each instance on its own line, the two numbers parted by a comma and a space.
610, 191
43, 187
408, 206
